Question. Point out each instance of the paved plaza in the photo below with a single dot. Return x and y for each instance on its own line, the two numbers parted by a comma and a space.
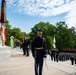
22, 65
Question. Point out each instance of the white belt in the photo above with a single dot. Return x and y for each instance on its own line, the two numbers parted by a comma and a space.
39, 48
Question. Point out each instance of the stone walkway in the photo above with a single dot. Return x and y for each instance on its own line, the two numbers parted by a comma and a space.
22, 65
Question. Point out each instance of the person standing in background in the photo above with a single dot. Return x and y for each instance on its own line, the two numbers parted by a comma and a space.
75, 59
38, 48
27, 43
23, 47
12, 42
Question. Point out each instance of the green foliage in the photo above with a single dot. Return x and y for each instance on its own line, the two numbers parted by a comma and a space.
48, 32
8, 33
65, 37
49, 42
15, 32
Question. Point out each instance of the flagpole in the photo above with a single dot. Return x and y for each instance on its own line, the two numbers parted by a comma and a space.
3, 22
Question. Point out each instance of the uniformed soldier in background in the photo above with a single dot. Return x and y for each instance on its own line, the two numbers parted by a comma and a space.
39, 52
23, 47
27, 43
75, 59
72, 60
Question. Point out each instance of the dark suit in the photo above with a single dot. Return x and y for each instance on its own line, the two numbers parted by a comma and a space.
26, 46
75, 59
72, 60
38, 51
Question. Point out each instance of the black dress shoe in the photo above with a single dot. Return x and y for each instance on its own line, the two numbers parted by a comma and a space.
27, 55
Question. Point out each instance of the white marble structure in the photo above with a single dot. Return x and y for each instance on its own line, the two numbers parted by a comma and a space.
5, 53
0, 41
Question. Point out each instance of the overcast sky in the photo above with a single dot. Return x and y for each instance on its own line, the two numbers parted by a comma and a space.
24, 14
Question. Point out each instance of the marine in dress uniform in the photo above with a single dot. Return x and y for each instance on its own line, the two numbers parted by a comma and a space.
39, 52
75, 59
25, 45
27, 42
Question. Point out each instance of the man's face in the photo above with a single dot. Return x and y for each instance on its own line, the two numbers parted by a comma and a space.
39, 33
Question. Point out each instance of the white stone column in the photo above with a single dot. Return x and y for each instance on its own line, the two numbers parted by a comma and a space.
5, 53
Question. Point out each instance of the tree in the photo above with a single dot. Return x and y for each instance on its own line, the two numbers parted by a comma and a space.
17, 34
8, 32
48, 32
64, 36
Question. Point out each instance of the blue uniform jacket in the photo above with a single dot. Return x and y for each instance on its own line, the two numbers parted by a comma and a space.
38, 42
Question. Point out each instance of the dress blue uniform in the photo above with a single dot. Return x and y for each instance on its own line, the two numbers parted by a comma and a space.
39, 52
27, 42
25, 45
